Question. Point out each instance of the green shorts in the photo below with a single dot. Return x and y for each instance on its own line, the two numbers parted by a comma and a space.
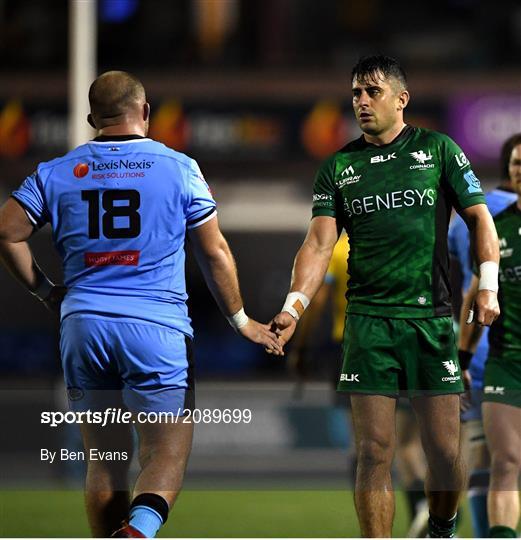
394, 357
502, 382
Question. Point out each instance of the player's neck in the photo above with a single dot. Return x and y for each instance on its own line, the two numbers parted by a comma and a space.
123, 129
387, 137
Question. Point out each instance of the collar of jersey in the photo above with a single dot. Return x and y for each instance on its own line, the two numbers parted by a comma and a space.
402, 135
119, 138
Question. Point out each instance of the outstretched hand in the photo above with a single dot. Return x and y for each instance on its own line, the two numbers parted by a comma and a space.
263, 335
283, 325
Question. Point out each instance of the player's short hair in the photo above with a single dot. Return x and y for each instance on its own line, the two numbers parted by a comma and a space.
372, 67
506, 151
114, 93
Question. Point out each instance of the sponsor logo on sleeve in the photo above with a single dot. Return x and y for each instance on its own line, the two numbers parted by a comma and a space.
461, 160
474, 185
323, 200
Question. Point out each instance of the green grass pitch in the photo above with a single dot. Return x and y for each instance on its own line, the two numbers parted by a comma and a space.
263, 513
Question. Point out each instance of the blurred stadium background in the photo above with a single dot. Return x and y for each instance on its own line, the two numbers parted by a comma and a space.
258, 92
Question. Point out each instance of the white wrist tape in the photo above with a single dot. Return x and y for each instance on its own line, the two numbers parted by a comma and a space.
295, 304
44, 289
488, 276
238, 320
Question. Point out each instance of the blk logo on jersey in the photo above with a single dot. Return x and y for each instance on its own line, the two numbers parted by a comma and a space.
81, 170
383, 159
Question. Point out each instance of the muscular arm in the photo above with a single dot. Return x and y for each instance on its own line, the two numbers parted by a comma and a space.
15, 254
483, 235
217, 265
485, 247
220, 273
313, 257
309, 268
17, 258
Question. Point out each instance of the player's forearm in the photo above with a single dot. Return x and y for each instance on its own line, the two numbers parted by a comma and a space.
220, 274
484, 238
309, 268
17, 258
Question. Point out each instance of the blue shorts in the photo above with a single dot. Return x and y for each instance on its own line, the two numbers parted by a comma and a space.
115, 362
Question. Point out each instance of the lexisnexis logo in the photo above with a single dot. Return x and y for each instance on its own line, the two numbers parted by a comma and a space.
121, 164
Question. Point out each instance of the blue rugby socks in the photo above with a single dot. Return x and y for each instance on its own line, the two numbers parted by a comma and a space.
148, 512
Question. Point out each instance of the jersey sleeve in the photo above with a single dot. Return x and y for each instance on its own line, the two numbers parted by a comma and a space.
32, 198
460, 177
324, 192
201, 205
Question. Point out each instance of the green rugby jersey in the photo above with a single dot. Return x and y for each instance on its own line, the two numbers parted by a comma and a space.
394, 202
505, 334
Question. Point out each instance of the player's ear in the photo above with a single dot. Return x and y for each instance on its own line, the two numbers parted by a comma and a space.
146, 112
403, 100
90, 120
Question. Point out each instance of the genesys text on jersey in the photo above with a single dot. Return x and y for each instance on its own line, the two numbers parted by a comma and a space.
121, 164
392, 200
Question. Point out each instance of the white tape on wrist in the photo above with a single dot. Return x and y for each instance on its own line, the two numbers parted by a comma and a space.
488, 276
44, 289
238, 320
295, 304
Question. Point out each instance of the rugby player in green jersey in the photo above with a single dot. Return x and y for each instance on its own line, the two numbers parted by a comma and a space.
502, 382
393, 190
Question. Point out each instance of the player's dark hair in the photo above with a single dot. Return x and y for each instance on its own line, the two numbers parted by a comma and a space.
371, 67
113, 93
506, 151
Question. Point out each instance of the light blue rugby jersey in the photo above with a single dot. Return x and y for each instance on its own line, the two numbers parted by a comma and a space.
459, 246
119, 208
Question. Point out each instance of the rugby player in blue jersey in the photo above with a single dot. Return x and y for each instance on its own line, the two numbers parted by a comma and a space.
459, 247
121, 207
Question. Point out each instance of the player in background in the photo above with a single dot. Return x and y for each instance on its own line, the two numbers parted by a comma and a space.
392, 190
459, 248
120, 207
501, 405
410, 460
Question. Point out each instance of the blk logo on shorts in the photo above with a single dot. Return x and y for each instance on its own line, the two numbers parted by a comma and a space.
349, 377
